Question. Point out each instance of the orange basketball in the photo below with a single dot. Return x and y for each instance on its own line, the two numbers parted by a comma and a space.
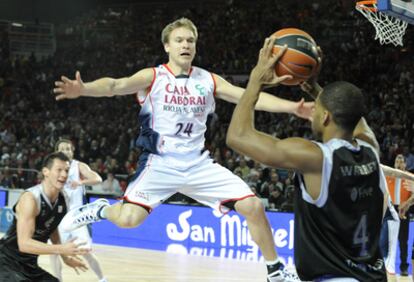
300, 59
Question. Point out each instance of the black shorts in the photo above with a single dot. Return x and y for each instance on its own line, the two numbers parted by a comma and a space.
12, 270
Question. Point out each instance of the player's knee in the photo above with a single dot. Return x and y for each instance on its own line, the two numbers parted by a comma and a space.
131, 216
128, 220
250, 207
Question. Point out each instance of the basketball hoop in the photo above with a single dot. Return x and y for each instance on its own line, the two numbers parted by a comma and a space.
388, 29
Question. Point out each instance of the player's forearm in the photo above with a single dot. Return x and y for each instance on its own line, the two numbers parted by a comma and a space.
102, 87
91, 181
35, 247
271, 103
389, 171
242, 122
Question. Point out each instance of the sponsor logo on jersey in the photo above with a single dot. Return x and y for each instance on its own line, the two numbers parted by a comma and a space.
142, 195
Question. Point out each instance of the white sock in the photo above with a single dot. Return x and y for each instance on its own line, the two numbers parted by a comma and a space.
272, 262
94, 265
102, 214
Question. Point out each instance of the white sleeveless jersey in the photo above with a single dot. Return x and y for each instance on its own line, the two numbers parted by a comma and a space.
75, 194
174, 111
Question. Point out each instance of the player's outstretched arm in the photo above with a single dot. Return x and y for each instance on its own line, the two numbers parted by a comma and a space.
26, 211
267, 102
390, 171
71, 89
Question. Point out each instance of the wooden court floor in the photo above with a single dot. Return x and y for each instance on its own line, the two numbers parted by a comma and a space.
122, 264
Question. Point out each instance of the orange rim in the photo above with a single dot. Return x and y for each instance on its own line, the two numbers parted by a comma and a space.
368, 5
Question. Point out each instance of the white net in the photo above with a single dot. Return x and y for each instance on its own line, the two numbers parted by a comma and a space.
388, 29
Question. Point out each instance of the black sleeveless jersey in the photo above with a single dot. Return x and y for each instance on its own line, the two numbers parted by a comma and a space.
47, 221
337, 235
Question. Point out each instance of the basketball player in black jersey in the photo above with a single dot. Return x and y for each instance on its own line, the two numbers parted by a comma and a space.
340, 203
38, 212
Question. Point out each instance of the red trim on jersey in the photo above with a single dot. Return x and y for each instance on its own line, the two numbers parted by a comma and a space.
233, 200
215, 84
146, 207
169, 70
153, 112
154, 74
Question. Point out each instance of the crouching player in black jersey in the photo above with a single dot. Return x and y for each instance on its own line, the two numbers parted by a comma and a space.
341, 198
38, 212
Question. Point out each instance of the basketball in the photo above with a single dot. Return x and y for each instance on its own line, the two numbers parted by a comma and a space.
301, 57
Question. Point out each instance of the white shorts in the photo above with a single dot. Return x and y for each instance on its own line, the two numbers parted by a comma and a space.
159, 177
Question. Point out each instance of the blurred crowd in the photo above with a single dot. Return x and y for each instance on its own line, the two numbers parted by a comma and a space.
118, 41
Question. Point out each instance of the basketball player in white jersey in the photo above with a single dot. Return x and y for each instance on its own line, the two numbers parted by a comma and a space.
80, 175
175, 100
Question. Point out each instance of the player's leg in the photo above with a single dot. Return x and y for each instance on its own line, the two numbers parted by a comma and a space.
55, 261
216, 186
403, 243
388, 243
253, 210
152, 184
56, 266
83, 234
125, 215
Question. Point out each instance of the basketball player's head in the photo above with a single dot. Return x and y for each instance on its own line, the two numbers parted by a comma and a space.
55, 170
65, 146
341, 104
179, 39
399, 162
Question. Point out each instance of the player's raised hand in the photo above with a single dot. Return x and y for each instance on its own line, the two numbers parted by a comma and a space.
264, 71
69, 89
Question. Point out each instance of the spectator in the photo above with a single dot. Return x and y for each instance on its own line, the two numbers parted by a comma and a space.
111, 185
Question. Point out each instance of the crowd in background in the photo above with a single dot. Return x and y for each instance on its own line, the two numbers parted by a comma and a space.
118, 41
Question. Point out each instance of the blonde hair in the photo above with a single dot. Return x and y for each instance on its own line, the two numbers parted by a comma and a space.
183, 22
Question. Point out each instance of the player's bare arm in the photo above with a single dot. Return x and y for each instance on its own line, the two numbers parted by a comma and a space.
26, 211
364, 132
390, 171
267, 102
290, 153
88, 176
103, 87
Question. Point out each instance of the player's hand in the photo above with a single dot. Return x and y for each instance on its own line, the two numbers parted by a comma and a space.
75, 262
311, 86
69, 89
304, 109
72, 248
403, 209
264, 71
408, 185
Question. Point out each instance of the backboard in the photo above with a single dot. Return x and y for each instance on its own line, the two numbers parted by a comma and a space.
403, 9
